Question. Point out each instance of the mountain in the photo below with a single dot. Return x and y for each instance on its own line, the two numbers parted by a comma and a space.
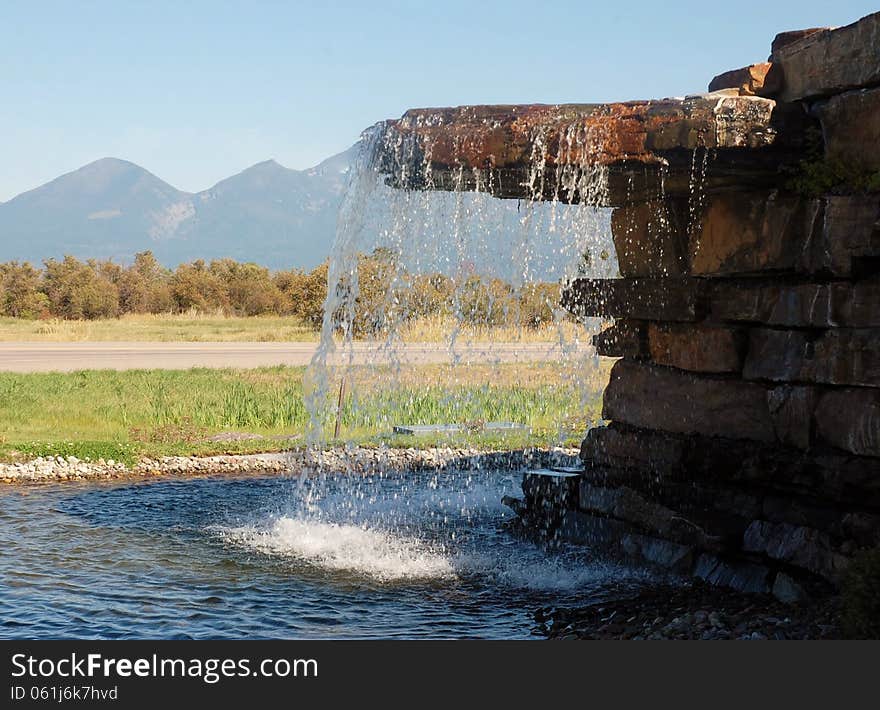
113, 208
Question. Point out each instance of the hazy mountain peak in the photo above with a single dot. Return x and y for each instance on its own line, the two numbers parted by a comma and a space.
111, 207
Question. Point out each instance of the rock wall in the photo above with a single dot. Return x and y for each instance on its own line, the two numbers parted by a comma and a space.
744, 437
743, 443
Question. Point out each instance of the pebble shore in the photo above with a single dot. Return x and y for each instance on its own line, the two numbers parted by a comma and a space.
696, 611
351, 460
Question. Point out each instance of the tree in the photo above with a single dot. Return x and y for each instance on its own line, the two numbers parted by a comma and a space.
250, 290
20, 295
194, 286
144, 287
303, 293
78, 290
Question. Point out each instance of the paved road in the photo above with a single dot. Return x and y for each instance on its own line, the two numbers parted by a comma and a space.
65, 357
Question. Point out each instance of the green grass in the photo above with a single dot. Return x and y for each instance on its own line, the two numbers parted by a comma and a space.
122, 415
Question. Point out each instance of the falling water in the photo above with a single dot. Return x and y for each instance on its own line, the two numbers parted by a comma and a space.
471, 238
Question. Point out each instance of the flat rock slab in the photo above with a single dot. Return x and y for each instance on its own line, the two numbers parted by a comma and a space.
537, 151
829, 61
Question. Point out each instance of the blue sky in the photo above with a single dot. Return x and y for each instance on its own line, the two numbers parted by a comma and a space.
195, 91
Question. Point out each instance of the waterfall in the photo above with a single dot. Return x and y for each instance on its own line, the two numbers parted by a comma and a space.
490, 262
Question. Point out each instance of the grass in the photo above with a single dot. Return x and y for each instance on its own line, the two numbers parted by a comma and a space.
124, 415
196, 327
185, 327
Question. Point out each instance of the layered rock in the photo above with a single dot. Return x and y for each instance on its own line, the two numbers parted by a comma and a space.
743, 443
541, 151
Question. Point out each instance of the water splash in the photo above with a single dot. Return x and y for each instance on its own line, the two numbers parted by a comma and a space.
376, 554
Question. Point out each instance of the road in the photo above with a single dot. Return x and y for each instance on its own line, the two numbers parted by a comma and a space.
66, 357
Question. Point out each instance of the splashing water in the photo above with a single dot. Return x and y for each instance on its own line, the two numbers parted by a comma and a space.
487, 257
346, 548
485, 254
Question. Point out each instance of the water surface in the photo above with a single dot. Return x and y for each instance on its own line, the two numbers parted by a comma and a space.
397, 556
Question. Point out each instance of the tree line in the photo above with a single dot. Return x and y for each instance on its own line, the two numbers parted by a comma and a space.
85, 290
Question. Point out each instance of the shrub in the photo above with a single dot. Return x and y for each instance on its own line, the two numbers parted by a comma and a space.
78, 290
195, 287
20, 296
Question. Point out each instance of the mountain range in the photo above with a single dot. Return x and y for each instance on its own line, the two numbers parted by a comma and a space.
112, 208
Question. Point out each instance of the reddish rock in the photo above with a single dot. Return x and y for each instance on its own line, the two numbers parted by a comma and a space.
653, 397
699, 348
651, 238
749, 232
851, 127
748, 81
849, 419
504, 148
625, 338
643, 299
831, 61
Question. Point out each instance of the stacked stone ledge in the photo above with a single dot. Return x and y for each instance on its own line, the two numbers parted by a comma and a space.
744, 437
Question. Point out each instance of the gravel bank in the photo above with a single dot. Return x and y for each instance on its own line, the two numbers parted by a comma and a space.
693, 610
355, 460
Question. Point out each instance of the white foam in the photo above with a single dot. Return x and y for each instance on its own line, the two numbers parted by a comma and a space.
376, 554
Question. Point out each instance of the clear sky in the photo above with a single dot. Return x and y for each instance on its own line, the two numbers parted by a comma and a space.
196, 90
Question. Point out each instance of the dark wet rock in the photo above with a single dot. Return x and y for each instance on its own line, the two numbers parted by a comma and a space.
841, 356
741, 576
787, 590
623, 503
515, 504
591, 530
851, 127
626, 338
658, 551
851, 236
800, 546
645, 299
791, 408
805, 305
849, 419
651, 238
618, 453
648, 396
